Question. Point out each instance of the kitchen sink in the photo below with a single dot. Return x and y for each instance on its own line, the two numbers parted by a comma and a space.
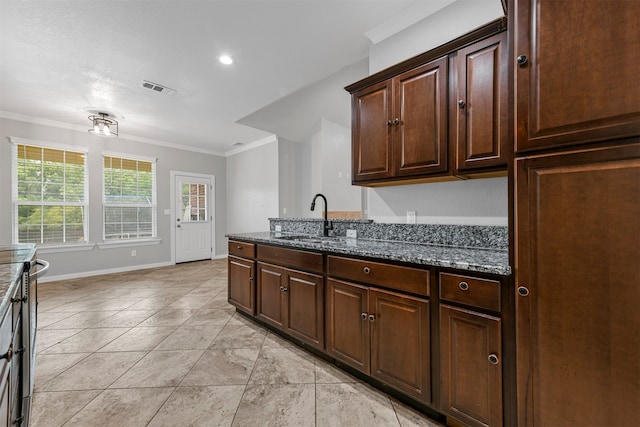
310, 239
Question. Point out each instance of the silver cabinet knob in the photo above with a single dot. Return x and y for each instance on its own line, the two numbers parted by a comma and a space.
461, 103
372, 318
493, 359
464, 286
366, 270
522, 59
364, 316
523, 291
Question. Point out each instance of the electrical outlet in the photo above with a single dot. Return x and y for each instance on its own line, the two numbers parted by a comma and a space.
278, 228
352, 234
133, 253
411, 217
284, 211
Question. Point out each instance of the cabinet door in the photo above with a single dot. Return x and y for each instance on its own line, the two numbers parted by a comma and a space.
371, 148
577, 276
304, 309
420, 135
482, 137
471, 372
347, 325
241, 284
400, 342
271, 294
580, 79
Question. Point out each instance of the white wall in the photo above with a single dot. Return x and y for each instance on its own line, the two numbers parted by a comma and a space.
471, 202
77, 263
252, 188
445, 25
290, 188
336, 168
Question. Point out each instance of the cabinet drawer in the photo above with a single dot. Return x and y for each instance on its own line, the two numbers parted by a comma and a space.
307, 261
242, 249
406, 279
483, 293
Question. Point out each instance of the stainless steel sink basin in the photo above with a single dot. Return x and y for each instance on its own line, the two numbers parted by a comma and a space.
309, 239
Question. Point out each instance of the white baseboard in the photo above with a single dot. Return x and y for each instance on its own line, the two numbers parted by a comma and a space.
101, 272
46, 279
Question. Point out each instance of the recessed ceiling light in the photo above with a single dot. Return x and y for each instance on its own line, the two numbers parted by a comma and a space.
226, 59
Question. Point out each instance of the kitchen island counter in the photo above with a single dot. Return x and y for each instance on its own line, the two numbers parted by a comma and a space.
12, 259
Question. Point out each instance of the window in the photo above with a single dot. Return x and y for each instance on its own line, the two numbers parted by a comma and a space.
50, 198
129, 197
194, 202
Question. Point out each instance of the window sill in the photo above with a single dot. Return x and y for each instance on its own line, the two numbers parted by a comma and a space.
50, 249
127, 243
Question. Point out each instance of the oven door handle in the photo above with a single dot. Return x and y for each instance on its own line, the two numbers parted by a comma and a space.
40, 272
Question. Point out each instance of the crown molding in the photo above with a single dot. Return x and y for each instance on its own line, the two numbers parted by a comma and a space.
62, 125
246, 147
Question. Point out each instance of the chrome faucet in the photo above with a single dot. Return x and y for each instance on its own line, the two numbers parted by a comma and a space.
326, 225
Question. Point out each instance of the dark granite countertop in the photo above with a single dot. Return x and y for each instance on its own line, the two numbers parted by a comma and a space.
12, 258
492, 261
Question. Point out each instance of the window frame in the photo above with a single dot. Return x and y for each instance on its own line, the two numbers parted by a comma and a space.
154, 199
15, 234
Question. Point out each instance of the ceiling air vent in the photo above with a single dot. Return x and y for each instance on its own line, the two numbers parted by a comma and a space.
157, 88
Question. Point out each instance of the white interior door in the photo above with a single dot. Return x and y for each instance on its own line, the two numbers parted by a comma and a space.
193, 218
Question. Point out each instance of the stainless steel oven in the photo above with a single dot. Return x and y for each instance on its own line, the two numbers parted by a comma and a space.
33, 269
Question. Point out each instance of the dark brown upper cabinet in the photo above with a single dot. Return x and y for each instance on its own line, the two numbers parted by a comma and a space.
439, 114
419, 120
482, 139
400, 125
576, 72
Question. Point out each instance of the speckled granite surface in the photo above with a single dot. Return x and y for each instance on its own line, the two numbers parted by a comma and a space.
494, 261
12, 258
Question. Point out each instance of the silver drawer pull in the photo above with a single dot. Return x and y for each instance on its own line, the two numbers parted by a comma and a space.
367, 270
464, 286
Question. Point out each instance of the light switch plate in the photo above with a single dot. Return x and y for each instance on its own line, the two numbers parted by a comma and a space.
352, 234
411, 217
167, 211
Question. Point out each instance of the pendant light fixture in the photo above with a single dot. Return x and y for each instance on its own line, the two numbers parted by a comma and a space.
103, 125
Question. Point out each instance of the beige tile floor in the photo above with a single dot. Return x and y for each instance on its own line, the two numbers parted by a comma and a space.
163, 347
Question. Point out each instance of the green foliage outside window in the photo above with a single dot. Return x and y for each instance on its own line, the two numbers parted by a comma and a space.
51, 195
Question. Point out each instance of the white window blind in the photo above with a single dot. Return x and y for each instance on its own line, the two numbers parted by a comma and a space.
50, 193
129, 197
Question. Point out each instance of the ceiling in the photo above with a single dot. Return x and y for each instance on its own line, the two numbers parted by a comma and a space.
60, 57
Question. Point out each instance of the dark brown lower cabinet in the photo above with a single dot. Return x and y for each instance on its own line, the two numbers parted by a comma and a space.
470, 366
241, 284
383, 334
292, 301
578, 287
